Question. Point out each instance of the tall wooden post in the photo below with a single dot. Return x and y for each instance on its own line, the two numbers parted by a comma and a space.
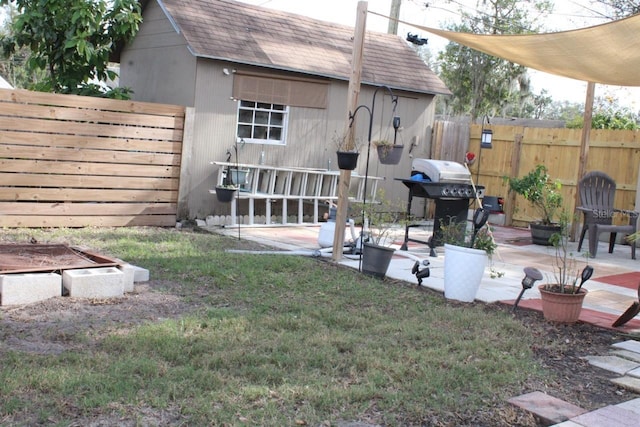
515, 169
352, 104
584, 149
394, 14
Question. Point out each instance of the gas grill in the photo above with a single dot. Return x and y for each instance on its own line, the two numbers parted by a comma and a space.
449, 184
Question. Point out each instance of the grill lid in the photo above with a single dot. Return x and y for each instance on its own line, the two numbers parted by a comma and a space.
442, 170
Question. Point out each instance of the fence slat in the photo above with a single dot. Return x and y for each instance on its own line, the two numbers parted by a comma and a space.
72, 161
615, 152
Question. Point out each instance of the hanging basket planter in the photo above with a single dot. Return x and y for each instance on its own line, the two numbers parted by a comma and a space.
347, 160
225, 194
389, 154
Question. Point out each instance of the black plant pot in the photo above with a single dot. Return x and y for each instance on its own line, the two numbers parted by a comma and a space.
224, 194
541, 233
376, 259
347, 160
389, 154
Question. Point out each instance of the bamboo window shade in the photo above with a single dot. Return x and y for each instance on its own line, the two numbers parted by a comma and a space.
274, 89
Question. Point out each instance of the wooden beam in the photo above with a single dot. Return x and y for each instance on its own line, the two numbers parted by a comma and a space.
352, 103
394, 14
515, 170
584, 149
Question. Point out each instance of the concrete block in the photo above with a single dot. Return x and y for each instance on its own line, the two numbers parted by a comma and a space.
28, 288
628, 382
129, 272
105, 282
629, 345
625, 354
634, 373
631, 405
497, 219
608, 416
140, 275
568, 424
613, 363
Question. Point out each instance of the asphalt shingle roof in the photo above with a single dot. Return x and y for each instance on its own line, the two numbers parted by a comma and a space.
246, 34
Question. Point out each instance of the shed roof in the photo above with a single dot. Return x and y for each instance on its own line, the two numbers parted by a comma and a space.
237, 32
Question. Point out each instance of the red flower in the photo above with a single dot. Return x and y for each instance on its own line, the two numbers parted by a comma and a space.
469, 158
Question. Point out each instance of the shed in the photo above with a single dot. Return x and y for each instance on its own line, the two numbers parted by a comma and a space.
275, 84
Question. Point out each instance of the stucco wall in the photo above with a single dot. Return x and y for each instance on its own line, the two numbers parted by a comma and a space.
157, 64
309, 138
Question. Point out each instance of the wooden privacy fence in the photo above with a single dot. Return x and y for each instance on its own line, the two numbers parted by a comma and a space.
517, 150
72, 161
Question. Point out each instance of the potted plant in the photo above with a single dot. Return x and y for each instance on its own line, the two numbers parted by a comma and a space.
379, 218
226, 192
544, 196
466, 252
562, 297
388, 152
346, 150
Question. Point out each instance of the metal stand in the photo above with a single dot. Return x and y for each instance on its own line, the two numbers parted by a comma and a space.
396, 125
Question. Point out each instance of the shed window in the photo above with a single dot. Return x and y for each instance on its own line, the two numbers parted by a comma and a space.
262, 123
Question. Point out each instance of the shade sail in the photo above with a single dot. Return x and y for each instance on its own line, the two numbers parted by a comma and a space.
608, 53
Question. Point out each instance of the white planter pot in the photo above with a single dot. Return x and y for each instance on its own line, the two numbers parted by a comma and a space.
463, 270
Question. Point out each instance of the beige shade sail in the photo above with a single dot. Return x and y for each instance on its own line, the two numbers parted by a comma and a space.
608, 53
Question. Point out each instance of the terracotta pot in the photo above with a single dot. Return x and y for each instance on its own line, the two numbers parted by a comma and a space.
559, 307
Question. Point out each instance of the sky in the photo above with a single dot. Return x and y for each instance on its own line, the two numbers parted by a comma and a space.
567, 15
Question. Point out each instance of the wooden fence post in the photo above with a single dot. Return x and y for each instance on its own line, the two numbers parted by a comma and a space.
515, 168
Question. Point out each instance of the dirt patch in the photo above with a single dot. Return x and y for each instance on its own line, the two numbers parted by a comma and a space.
48, 327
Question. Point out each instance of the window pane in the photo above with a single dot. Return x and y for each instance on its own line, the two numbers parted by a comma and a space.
277, 119
245, 116
278, 107
247, 104
244, 131
262, 117
264, 106
260, 132
275, 134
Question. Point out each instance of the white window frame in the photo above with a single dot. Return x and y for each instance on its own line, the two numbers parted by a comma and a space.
259, 108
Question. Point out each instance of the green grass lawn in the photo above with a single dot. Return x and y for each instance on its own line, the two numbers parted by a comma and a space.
270, 340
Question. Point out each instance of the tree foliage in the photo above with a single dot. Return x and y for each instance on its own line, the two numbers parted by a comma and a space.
617, 9
13, 65
609, 114
71, 40
484, 84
